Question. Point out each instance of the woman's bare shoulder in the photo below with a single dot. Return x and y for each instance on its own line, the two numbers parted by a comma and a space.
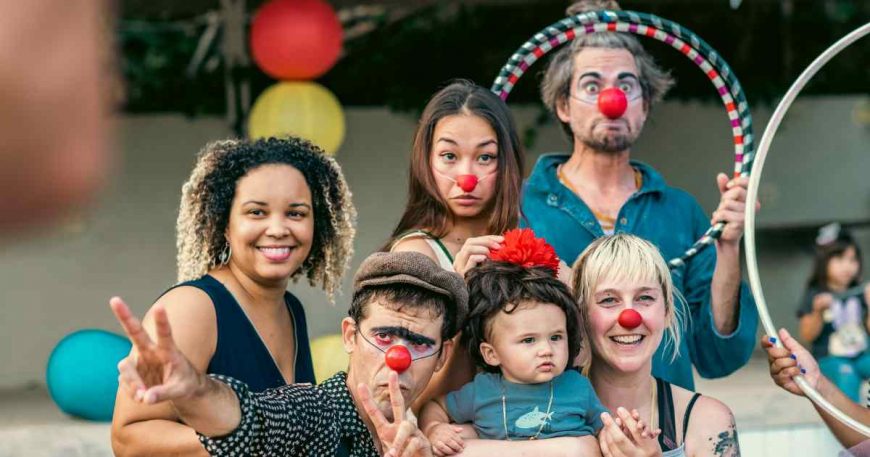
193, 321
415, 244
712, 429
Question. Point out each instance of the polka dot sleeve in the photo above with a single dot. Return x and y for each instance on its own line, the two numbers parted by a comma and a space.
238, 442
280, 421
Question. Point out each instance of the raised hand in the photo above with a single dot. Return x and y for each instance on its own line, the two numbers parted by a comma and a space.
401, 437
474, 251
154, 372
790, 361
731, 207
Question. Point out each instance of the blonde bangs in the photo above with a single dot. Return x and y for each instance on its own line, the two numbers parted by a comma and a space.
624, 258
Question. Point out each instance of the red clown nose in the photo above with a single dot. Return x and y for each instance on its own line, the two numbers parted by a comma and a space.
398, 358
466, 182
612, 102
629, 318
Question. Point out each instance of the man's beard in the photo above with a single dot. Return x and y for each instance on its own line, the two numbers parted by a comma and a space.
608, 142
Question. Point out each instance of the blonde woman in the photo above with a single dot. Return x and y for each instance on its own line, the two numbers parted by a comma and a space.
624, 290
253, 216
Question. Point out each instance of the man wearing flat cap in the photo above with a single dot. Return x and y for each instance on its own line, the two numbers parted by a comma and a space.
403, 302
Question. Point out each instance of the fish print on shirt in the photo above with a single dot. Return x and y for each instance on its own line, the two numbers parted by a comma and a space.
534, 419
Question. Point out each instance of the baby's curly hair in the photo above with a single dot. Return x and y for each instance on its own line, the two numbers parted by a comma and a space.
207, 196
495, 286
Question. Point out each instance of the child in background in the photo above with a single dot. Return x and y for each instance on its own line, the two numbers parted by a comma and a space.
833, 314
523, 331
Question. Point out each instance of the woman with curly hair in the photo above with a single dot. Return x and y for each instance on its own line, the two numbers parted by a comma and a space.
253, 215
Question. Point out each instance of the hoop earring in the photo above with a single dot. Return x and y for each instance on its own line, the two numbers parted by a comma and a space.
225, 255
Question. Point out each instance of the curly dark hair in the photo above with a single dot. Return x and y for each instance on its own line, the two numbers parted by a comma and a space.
494, 287
208, 194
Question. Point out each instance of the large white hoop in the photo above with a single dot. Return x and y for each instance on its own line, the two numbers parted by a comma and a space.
752, 197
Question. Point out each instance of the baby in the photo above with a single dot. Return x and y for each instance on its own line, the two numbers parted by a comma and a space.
523, 331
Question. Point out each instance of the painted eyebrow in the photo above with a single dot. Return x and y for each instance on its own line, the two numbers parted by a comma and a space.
403, 332
623, 75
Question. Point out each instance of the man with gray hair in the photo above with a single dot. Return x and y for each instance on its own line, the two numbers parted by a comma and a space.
404, 312
571, 199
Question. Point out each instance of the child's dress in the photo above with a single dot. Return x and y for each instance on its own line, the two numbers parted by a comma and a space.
841, 347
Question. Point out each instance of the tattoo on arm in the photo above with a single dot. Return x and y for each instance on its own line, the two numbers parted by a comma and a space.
725, 444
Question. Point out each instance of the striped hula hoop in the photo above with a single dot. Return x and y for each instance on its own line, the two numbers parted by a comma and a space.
752, 196
668, 32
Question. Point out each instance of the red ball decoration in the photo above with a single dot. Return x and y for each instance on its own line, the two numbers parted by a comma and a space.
398, 358
612, 102
296, 39
630, 318
466, 182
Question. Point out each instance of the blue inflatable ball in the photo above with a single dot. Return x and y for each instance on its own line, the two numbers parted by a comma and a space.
82, 373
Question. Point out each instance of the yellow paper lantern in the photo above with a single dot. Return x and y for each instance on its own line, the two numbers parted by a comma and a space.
300, 108
328, 356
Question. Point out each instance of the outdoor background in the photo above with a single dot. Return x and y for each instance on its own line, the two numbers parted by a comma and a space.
59, 280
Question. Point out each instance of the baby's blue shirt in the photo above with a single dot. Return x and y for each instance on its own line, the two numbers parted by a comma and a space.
576, 410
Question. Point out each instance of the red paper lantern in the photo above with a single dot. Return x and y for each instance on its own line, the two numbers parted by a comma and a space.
296, 39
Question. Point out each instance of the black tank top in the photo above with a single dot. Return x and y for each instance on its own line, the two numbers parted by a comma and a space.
240, 352
667, 423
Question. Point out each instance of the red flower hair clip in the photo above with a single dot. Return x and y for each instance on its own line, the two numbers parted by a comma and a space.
521, 247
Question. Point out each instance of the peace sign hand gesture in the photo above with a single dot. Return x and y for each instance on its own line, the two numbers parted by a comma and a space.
400, 437
154, 372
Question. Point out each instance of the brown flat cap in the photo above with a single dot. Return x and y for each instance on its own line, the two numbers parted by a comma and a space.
382, 268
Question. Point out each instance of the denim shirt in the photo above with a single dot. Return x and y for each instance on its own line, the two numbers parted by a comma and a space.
672, 220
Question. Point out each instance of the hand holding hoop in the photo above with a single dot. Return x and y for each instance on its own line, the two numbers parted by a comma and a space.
790, 360
732, 207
